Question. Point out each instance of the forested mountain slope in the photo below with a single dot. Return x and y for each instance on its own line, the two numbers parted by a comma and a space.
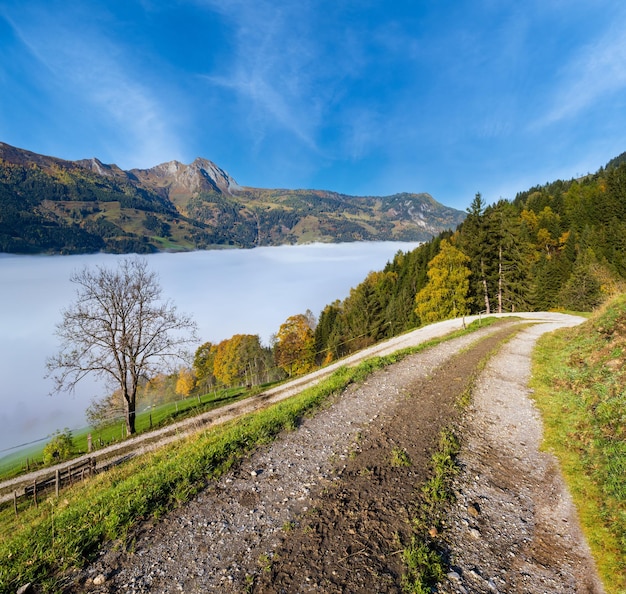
560, 245
56, 206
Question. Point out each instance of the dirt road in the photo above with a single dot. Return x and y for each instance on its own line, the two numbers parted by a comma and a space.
323, 509
513, 527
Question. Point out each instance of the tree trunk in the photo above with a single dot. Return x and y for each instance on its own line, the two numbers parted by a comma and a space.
129, 406
130, 422
500, 280
482, 272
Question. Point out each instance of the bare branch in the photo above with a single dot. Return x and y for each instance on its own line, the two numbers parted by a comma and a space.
118, 329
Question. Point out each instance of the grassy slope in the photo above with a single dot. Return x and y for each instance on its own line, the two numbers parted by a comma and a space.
159, 416
579, 381
41, 543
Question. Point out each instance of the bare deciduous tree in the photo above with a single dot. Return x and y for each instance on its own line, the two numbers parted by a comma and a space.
118, 329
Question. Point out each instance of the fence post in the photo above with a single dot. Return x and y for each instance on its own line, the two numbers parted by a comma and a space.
89, 444
35, 493
15, 502
57, 482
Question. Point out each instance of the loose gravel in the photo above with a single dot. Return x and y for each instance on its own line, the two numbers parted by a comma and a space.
214, 543
512, 529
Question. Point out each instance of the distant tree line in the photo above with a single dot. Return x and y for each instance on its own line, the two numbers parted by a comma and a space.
557, 246
28, 225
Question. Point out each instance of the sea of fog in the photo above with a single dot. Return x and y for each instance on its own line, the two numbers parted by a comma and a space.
225, 291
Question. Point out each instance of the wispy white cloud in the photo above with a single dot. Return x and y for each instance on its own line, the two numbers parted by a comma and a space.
270, 105
596, 72
92, 71
294, 68
272, 69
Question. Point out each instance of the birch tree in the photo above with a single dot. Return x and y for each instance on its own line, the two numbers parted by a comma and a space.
445, 294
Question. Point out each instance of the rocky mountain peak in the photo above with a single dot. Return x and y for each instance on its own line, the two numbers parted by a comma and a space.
101, 168
220, 177
181, 181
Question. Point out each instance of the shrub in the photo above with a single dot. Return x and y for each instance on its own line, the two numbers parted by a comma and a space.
59, 448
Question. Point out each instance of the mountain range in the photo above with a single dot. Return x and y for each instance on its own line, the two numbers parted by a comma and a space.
51, 205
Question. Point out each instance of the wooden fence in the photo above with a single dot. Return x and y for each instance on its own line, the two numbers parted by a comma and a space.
57, 479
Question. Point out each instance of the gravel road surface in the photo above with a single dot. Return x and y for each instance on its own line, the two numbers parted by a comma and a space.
512, 528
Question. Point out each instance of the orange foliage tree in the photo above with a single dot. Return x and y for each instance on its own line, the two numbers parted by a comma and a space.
237, 359
295, 345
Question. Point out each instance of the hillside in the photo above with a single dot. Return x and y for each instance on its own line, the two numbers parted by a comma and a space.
556, 246
56, 206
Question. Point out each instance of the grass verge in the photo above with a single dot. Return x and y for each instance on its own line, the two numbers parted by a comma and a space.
579, 382
146, 420
42, 544
424, 560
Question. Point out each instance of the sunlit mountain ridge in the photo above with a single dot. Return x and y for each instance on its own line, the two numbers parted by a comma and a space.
56, 206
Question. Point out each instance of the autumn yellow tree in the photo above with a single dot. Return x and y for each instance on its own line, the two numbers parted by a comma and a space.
445, 294
238, 359
161, 388
203, 364
185, 382
545, 229
295, 345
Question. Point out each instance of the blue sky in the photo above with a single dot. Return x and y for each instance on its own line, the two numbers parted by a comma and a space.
365, 97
